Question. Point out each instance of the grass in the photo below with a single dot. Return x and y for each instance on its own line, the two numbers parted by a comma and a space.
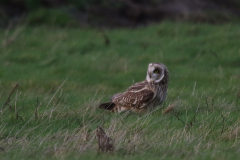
64, 73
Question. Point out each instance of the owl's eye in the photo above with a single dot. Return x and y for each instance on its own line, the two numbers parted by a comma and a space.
156, 71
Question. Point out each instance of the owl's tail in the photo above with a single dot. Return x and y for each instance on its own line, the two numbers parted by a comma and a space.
108, 106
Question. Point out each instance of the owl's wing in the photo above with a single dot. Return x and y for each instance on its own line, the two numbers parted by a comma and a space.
134, 88
138, 86
134, 97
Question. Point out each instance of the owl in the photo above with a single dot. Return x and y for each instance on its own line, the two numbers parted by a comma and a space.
142, 96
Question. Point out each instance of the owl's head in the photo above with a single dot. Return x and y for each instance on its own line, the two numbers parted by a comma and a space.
157, 73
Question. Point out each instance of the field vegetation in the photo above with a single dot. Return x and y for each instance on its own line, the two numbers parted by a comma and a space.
53, 78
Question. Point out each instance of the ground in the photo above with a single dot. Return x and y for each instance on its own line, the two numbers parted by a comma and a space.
64, 73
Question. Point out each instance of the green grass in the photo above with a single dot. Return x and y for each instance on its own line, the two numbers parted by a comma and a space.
204, 65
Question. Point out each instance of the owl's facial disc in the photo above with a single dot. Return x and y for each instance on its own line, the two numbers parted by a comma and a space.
155, 73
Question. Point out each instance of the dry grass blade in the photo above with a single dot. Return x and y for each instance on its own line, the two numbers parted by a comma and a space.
212, 103
238, 97
206, 100
36, 110
8, 41
105, 143
223, 124
191, 123
171, 109
8, 100
56, 92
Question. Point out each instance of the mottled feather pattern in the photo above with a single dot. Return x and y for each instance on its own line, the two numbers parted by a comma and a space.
144, 95
138, 86
134, 99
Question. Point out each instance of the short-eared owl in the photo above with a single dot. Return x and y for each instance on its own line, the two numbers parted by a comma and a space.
142, 96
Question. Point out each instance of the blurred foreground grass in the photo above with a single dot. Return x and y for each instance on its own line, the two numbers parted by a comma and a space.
204, 65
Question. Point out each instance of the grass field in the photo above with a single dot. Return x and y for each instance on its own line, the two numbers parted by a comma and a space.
64, 73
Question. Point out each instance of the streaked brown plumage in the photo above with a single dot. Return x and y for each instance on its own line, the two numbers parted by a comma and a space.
142, 96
